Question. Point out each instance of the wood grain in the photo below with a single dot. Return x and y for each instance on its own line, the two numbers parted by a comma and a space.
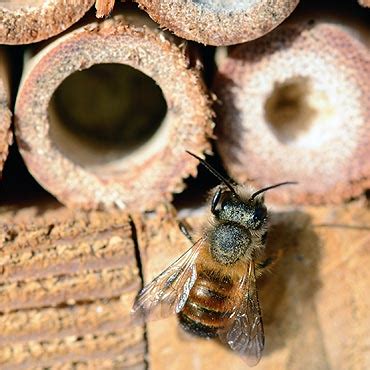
75, 315
26, 21
6, 134
219, 22
67, 284
314, 301
103, 7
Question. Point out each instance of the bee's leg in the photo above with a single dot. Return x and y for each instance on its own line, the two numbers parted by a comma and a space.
215, 200
267, 263
185, 231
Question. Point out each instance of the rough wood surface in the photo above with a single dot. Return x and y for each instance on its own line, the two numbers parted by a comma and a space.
294, 106
219, 22
314, 302
23, 22
365, 3
80, 175
68, 281
104, 7
6, 136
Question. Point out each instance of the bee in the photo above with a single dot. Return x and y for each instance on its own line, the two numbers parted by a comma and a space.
212, 286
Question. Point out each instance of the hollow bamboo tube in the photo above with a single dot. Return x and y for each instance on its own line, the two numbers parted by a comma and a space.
5, 114
365, 3
295, 106
103, 7
68, 282
109, 136
313, 301
23, 22
222, 22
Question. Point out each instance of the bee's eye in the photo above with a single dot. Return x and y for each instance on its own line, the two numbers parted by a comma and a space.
259, 214
225, 204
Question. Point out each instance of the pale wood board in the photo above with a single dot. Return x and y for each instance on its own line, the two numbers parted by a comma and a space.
314, 302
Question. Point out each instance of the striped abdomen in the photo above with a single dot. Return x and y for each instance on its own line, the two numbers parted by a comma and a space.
209, 304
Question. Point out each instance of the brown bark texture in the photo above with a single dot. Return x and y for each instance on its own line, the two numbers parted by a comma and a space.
294, 106
6, 136
219, 22
314, 301
67, 284
24, 22
86, 176
103, 7
365, 3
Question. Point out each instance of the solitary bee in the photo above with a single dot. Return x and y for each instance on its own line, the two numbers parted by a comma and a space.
212, 286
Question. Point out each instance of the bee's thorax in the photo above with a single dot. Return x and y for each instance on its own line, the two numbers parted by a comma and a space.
228, 242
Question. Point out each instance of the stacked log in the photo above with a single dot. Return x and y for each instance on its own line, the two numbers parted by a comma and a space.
24, 22
219, 22
6, 135
52, 131
294, 106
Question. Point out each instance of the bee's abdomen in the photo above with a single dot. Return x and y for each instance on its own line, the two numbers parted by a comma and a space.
208, 306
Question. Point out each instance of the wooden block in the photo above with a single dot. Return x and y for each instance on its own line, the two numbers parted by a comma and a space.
314, 301
122, 343
67, 283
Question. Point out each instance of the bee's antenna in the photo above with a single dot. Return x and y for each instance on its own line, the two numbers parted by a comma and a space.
214, 172
258, 192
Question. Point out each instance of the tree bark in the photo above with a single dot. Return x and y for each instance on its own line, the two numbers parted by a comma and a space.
6, 136
219, 22
24, 22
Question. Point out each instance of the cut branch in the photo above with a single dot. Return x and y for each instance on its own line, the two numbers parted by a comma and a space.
365, 3
113, 134
6, 136
104, 7
27, 21
219, 22
294, 106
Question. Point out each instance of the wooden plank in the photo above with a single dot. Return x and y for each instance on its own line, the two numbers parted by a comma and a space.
314, 301
67, 285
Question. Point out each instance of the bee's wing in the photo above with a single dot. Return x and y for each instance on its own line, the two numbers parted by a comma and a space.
245, 334
168, 292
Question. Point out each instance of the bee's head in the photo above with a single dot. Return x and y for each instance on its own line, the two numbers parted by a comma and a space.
229, 204
249, 212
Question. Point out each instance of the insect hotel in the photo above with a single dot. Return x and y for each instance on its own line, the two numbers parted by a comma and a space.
184, 184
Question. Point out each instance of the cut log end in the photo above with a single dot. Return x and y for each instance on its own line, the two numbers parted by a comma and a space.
295, 107
34, 20
104, 8
364, 3
105, 115
6, 136
219, 22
